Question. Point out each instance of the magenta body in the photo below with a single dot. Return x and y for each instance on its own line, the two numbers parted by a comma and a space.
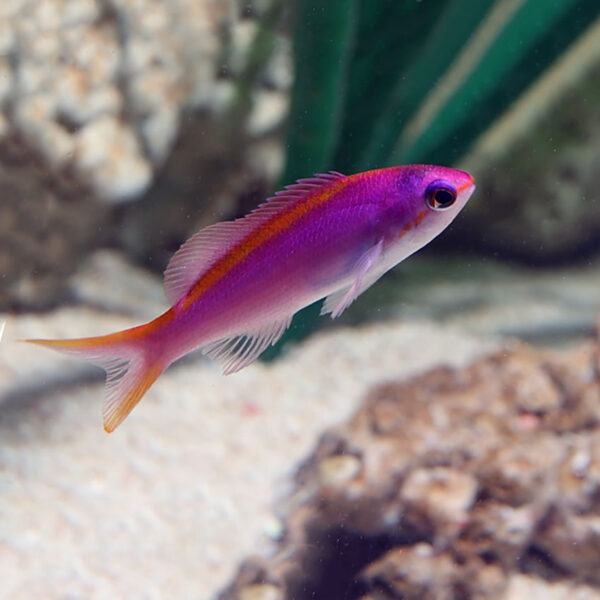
234, 286
312, 257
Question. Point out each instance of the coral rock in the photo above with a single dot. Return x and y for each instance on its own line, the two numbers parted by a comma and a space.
453, 485
444, 493
128, 99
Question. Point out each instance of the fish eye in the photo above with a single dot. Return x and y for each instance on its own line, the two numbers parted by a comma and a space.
440, 195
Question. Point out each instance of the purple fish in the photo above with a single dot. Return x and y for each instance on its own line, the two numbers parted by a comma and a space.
235, 286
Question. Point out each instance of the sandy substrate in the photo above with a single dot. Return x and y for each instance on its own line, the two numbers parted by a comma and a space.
167, 505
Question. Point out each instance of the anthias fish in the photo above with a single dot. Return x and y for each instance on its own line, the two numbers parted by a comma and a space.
234, 286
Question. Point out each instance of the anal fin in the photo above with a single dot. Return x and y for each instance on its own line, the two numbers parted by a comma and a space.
238, 351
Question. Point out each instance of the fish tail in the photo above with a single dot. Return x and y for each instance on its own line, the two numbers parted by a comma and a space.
130, 368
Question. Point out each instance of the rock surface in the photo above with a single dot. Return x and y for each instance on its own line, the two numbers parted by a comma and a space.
105, 102
44, 230
72, 69
479, 482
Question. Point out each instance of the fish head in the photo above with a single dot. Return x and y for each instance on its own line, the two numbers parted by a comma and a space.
425, 199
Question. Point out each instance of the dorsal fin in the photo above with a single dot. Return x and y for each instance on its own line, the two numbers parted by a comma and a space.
204, 248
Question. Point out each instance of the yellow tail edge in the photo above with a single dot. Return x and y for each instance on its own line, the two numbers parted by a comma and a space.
129, 370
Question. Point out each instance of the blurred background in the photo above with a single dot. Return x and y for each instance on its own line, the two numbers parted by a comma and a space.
130, 126
127, 125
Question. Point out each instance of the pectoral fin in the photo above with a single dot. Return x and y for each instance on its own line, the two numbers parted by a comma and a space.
365, 277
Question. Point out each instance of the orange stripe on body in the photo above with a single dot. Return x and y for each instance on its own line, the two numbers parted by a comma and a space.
268, 230
104, 341
463, 187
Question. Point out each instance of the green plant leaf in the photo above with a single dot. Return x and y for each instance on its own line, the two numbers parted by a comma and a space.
323, 38
419, 44
382, 82
517, 52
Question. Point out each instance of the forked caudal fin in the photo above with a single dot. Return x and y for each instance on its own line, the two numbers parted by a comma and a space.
129, 371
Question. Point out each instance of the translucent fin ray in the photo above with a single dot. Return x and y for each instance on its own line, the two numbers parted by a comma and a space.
125, 385
129, 373
197, 254
365, 277
238, 351
203, 249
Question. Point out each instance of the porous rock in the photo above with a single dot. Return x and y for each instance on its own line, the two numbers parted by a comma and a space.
74, 68
479, 482
44, 229
123, 99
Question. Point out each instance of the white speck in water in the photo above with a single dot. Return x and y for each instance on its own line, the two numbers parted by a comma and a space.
273, 528
580, 462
